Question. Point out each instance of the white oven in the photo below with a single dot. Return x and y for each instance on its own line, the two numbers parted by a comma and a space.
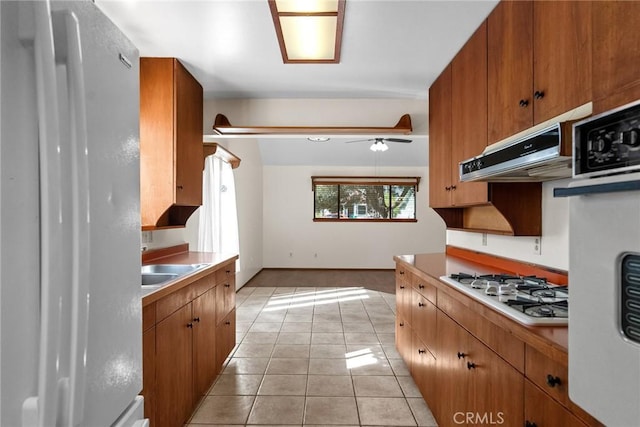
604, 266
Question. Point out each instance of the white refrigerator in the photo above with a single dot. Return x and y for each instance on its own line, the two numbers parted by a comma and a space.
70, 296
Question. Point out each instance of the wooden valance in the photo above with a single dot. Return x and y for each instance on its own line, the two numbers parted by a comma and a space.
211, 148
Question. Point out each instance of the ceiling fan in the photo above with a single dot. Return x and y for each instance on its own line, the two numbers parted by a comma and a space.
379, 143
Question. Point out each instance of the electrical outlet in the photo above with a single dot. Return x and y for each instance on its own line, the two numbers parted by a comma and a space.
537, 245
290, 254
147, 237
315, 255
484, 239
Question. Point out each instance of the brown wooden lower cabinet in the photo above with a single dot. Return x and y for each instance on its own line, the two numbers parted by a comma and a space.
184, 350
174, 369
423, 370
403, 340
204, 342
149, 372
225, 338
471, 371
540, 410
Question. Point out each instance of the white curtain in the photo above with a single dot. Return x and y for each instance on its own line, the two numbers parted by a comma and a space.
218, 231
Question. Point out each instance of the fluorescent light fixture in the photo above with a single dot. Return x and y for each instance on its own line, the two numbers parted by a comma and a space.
379, 146
309, 31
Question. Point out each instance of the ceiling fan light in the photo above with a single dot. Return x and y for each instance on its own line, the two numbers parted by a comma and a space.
379, 146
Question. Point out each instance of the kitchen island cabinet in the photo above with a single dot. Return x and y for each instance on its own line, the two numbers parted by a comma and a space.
482, 365
184, 345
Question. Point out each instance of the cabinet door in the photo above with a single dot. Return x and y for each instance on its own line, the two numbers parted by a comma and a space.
616, 54
189, 155
510, 69
423, 320
452, 375
562, 57
149, 373
403, 294
204, 342
225, 338
156, 138
403, 340
542, 411
440, 175
226, 290
174, 373
423, 371
496, 390
469, 114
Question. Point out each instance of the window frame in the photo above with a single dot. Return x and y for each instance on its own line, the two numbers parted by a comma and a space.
365, 180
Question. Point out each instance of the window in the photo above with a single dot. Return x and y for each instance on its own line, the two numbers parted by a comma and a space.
364, 198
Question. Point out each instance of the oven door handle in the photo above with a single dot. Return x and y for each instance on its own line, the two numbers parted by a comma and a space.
609, 187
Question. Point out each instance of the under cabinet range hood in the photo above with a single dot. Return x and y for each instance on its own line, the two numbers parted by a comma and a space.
538, 156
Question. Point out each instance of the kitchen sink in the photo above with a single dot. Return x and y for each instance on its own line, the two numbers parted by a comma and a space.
155, 276
178, 269
149, 279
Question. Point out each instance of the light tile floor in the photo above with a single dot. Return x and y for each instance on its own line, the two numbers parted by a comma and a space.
314, 356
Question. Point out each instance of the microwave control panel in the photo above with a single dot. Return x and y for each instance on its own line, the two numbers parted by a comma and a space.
608, 143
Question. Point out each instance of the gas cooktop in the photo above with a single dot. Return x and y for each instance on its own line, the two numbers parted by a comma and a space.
529, 300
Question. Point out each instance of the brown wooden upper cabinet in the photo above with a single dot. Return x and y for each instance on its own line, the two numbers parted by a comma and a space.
539, 62
616, 54
441, 175
171, 154
458, 124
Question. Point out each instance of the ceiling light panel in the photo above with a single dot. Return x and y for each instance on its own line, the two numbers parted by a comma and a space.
309, 37
308, 31
307, 6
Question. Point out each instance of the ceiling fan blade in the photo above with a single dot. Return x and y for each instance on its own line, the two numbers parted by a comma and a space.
359, 140
397, 140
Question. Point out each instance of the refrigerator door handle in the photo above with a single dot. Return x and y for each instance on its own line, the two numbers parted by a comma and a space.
36, 30
69, 52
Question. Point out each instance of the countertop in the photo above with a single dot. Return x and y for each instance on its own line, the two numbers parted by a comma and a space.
551, 340
215, 261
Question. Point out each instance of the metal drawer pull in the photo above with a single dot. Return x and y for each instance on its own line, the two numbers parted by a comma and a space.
471, 365
461, 355
553, 381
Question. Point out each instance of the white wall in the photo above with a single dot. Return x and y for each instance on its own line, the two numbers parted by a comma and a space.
553, 244
248, 180
289, 227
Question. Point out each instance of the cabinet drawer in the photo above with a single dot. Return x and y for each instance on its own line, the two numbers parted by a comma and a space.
426, 289
225, 338
423, 320
172, 302
401, 273
423, 370
148, 316
549, 375
542, 411
403, 340
499, 340
202, 285
226, 274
